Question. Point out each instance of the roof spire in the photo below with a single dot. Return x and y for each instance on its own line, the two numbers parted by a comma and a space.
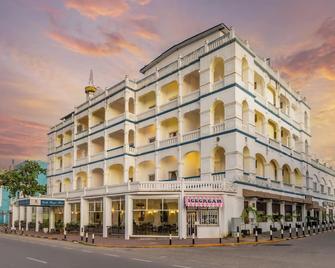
90, 89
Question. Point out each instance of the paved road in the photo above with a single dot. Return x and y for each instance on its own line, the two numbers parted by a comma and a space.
317, 251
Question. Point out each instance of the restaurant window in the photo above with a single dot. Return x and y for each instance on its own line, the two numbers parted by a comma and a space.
95, 212
208, 216
299, 213
118, 216
276, 211
261, 211
155, 216
75, 213
288, 212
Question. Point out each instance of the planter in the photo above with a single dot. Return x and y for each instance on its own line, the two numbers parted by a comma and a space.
45, 230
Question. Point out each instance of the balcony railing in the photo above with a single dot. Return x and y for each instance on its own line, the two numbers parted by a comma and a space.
146, 114
218, 128
82, 161
168, 142
116, 119
82, 134
218, 42
191, 135
218, 176
191, 96
219, 84
192, 56
98, 156
115, 151
169, 105
98, 127
168, 69
274, 143
146, 148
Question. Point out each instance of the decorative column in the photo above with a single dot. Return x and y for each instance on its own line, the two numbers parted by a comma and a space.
282, 211
83, 213
29, 212
128, 221
294, 210
15, 215
269, 209
182, 216
106, 217
51, 218
39, 218
67, 213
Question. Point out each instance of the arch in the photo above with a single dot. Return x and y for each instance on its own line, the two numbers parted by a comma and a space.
298, 177
131, 174
245, 70
286, 172
271, 96
217, 69
245, 113
168, 168
81, 180
191, 167
219, 159
145, 171
97, 177
131, 105
67, 185
115, 174
260, 165
218, 112
273, 170
58, 186
131, 137
169, 92
246, 159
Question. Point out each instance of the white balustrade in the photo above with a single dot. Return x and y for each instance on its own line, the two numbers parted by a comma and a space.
218, 42
115, 151
82, 134
146, 148
98, 127
168, 142
218, 85
116, 119
193, 56
218, 128
146, 80
146, 114
98, 156
191, 96
82, 161
169, 105
168, 69
192, 135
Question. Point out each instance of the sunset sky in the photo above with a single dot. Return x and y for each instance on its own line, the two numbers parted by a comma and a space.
47, 48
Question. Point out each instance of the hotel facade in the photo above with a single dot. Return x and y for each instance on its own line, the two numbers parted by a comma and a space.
210, 129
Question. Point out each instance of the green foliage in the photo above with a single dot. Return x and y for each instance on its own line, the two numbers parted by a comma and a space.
23, 179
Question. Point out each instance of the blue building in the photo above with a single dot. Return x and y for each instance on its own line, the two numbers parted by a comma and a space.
4, 195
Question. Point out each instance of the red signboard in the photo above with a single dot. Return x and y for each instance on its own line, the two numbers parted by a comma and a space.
203, 201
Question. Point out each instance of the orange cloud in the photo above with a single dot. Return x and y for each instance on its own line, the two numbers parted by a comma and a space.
310, 61
114, 43
146, 34
143, 2
21, 140
101, 8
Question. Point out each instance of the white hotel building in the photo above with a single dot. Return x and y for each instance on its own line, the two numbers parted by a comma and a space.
210, 129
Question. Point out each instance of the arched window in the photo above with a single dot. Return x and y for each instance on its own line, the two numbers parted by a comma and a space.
81, 180
218, 112
245, 113
131, 105
115, 174
97, 178
273, 170
191, 164
219, 159
286, 172
260, 166
306, 120
298, 177
217, 70
245, 70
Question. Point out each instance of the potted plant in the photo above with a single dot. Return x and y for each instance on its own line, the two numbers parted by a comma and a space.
45, 225
246, 219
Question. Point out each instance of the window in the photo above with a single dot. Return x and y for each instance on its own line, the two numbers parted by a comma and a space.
208, 216
315, 187
95, 212
322, 189
118, 216
172, 134
152, 139
75, 213
173, 175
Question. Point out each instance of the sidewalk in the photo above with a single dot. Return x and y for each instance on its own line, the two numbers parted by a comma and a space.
164, 242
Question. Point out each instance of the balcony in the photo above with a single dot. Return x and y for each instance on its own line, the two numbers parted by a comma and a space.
261, 137
272, 108
116, 119
191, 135
98, 127
168, 142
218, 176
82, 134
218, 128
274, 143
149, 113
97, 156
115, 151
169, 105
191, 96
286, 149
82, 161
218, 85
146, 148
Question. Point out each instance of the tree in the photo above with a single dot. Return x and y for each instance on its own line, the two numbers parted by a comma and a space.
23, 179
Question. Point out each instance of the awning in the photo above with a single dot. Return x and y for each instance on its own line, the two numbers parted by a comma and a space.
265, 195
203, 201
40, 202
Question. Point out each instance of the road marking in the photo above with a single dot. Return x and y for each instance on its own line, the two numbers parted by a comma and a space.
111, 255
36, 260
86, 251
180, 266
135, 259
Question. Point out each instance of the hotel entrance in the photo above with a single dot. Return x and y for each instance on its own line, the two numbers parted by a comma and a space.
191, 219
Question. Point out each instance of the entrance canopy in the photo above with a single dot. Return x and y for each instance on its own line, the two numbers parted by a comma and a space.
40, 202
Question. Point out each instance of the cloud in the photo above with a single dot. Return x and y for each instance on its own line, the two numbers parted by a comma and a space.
20, 139
314, 61
102, 8
143, 2
114, 43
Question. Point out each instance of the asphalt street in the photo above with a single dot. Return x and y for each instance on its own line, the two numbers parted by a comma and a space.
316, 251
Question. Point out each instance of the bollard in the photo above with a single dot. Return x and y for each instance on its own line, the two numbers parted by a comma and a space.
297, 232
86, 237
193, 239
238, 234
220, 240
81, 236
170, 239
22, 231
256, 235
290, 230
282, 233
313, 229
64, 234
318, 228
93, 238
271, 238
303, 229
